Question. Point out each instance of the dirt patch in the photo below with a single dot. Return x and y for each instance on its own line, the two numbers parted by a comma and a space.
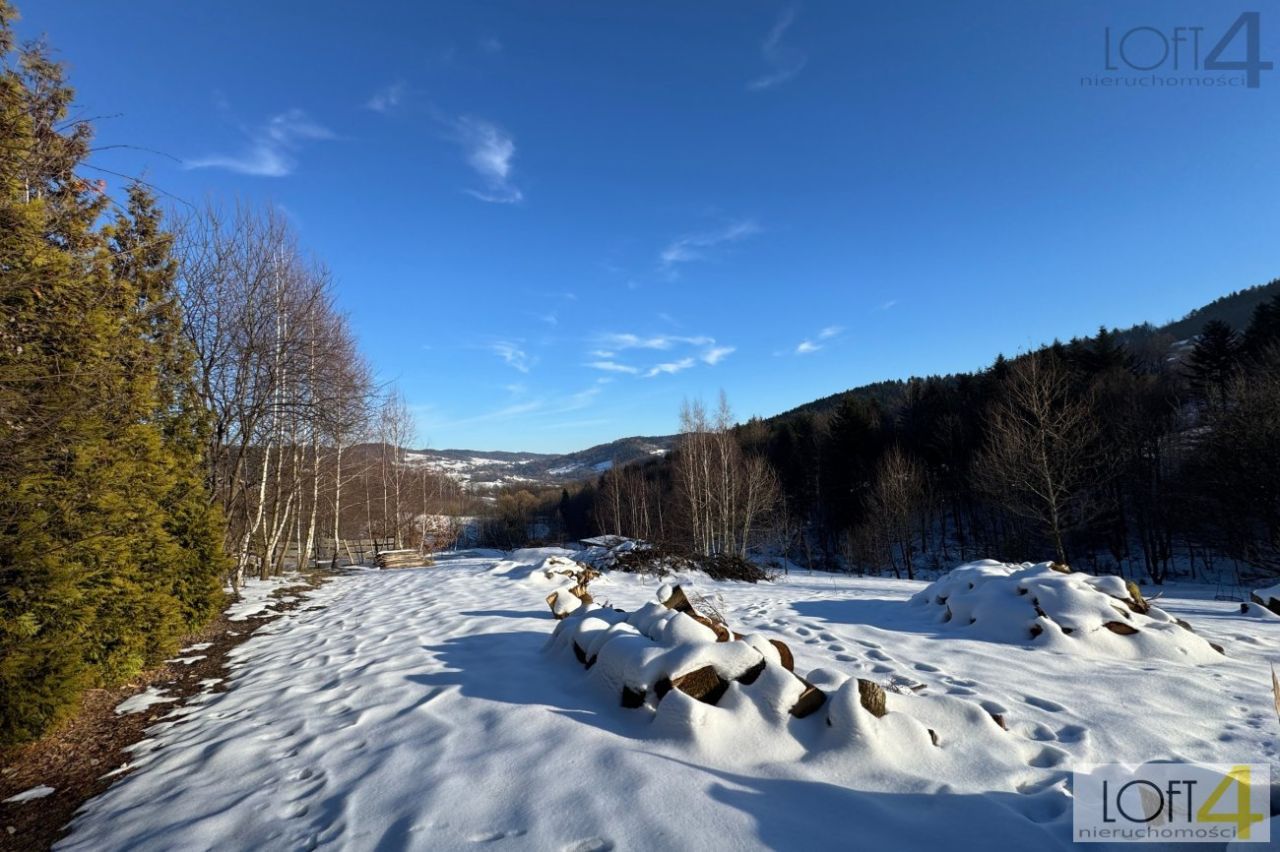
74, 758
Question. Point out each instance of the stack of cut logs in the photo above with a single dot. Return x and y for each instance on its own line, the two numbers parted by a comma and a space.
401, 559
706, 684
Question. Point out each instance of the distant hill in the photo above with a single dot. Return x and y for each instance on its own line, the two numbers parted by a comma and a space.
1235, 309
494, 469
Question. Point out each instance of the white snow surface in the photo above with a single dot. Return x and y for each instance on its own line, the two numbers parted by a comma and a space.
30, 795
255, 596
140, 702
433, 710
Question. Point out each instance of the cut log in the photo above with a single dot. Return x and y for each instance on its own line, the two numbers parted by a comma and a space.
632, 698
809, 701
788, 660
722, 632
871, 695
563, 603
1060, 567
704, 684
752, 674
1136, 601
678, 601
1120, 628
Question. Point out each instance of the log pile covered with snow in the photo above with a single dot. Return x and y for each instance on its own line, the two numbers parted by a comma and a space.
1048, 605
702, 681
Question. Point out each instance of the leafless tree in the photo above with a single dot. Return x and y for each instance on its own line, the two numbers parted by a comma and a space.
894, 505
1042, 448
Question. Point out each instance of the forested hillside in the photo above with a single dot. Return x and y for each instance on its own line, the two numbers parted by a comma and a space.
1121, 451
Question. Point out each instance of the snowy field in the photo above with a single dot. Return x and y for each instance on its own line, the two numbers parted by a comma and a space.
427, 709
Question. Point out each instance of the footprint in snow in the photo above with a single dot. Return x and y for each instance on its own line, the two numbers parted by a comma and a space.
1045, 806
1039, 785
1044, 704
880, 655
926, 667
1073, 734
494, 836
803, 631
1038, 732
593, 844
1048, 757
826, 637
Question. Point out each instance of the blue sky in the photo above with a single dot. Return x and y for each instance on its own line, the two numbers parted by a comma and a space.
552, 222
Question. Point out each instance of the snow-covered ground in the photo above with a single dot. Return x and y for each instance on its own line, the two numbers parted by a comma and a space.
427, 709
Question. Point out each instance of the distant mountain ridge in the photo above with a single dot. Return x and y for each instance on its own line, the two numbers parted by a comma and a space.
483, 469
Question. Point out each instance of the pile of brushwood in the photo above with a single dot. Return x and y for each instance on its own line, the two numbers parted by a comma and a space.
661, 560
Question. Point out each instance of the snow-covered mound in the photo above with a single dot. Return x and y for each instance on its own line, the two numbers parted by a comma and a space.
740, 697
1268, 597
1055, 608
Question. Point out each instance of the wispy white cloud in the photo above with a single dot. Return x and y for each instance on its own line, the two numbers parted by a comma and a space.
489, 151
387, 98
889, 304
693, 247
784, 62
613, 367
490, 45
707, 351
670, 367
810, 345
512, 355
271, 147
716, 354
618, 342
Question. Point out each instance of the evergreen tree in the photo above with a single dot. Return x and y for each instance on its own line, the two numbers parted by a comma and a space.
1264, 328
108, 548
1214, 361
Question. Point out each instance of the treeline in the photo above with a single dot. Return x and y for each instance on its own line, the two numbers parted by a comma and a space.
1115, 453
305, 449
181, 403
